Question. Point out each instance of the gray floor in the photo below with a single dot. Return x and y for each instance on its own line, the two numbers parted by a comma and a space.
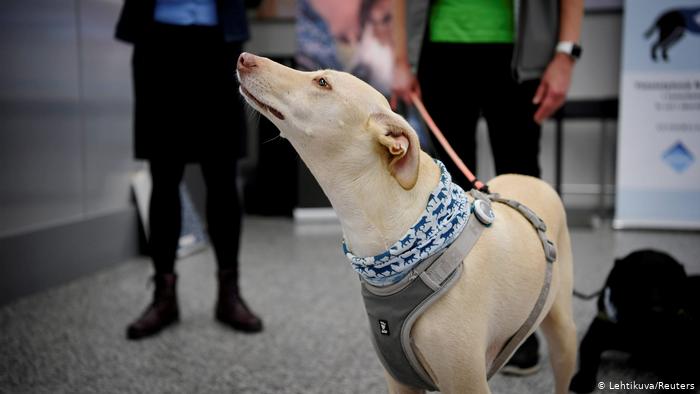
71, 339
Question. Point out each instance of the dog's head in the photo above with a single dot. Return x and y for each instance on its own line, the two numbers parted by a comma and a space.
331, 115
645, 286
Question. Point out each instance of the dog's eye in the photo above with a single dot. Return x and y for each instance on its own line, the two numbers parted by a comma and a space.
322, 82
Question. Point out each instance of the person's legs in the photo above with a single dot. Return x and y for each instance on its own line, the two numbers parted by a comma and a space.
224, 225
164, 222
445, 78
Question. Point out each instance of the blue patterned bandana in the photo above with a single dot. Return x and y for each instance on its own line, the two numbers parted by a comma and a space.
442, 221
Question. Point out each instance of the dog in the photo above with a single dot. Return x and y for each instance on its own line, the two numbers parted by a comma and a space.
368, 161
649, 309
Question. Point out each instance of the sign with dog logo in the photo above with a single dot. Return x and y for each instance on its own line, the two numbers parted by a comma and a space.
658, 161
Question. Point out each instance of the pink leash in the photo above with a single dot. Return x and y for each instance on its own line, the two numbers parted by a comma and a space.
446, 145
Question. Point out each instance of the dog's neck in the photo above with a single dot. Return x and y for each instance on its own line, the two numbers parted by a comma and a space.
373, 209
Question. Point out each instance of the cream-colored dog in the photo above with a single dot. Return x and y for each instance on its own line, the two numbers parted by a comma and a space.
368, 161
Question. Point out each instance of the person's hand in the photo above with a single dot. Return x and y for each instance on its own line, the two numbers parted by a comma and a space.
551, 93
404, 83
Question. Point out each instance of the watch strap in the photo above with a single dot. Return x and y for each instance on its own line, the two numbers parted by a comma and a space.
570, 48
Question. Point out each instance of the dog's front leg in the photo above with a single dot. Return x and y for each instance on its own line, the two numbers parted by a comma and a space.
470, 380
476, 384
394, 387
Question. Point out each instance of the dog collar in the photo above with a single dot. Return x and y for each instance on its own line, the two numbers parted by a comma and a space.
442, 221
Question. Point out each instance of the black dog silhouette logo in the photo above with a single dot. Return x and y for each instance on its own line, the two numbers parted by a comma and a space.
672, 26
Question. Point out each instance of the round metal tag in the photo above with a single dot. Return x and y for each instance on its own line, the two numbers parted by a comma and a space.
483, 212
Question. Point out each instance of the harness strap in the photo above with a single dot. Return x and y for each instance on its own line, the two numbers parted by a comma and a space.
512, 345
551, 255
550, 251
447, 268
453, 257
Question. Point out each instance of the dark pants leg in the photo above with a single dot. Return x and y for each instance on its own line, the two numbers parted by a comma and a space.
509, 112
223, 210
449, 97
164, 214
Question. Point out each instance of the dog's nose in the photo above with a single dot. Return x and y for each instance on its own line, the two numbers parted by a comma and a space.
246, 62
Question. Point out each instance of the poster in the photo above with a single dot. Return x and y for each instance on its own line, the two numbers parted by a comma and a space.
658, 167
276, 10
348, 35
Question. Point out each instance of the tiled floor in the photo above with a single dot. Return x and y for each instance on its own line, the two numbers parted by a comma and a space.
71, 339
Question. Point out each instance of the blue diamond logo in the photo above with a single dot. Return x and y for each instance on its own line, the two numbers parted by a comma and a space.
678, 157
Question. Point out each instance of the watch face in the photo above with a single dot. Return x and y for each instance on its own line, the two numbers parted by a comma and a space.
576, 51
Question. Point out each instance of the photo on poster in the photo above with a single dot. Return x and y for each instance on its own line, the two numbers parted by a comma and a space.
348, 35
276, 10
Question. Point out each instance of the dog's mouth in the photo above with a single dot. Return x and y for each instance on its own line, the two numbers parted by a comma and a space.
262, 105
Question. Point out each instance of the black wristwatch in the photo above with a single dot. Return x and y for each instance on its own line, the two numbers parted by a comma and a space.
570, 48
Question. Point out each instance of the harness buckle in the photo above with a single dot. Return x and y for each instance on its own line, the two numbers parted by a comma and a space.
550, 251
483, 212
542, 225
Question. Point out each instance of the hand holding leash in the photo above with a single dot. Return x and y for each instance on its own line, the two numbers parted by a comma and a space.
404, 84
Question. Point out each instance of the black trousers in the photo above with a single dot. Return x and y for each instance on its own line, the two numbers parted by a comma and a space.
223, 211
460, 83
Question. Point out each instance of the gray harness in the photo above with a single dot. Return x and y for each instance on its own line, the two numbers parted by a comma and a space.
393, 309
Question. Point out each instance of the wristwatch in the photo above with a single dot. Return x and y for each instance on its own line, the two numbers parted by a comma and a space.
570, 48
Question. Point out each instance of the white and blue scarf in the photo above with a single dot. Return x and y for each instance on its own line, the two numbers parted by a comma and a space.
440, 224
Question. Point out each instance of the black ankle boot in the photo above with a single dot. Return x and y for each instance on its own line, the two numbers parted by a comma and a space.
526, 360
231, 309
162, 312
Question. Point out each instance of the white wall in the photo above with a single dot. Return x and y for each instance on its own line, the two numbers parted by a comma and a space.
65, 113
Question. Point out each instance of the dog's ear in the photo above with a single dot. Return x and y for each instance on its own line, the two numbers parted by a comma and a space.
401, 144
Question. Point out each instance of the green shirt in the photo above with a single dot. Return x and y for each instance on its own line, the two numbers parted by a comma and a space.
472, 21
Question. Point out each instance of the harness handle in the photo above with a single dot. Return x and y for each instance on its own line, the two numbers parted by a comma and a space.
446, 145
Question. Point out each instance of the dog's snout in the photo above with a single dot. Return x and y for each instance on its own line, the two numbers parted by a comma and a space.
246, 62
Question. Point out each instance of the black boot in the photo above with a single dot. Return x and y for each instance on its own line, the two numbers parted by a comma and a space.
526, 360
162, 312
231, 309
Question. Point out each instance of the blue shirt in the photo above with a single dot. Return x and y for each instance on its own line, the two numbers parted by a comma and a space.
186, 12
